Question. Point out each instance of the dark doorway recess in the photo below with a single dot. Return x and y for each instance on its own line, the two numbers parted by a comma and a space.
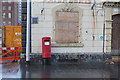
115, 43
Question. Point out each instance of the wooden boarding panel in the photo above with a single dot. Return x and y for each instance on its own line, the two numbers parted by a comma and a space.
73, 32
59, 32
67, 16
8, 37
12, 36
67, 27
17, 37
65, 32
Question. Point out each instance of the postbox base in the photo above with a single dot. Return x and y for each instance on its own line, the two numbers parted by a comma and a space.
46, 61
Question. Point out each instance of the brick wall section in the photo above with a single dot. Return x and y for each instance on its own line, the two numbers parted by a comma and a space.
13, 11
0, 14
0, 24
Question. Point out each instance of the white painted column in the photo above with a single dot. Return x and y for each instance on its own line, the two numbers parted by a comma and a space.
28, 32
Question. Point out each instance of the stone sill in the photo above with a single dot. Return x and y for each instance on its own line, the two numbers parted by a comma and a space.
54, 44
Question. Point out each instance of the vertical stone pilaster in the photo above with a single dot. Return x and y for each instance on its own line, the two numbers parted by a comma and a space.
108, 30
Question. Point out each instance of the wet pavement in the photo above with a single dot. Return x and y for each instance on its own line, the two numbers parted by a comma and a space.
71, 70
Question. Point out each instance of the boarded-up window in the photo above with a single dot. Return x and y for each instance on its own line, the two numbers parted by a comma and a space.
67, 27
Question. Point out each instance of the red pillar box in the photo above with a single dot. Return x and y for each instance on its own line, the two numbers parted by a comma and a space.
46, 49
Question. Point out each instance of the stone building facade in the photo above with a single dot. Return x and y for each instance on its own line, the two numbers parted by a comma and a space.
76, 27
82, 21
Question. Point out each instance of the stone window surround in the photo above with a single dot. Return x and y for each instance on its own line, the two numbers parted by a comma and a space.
67, 7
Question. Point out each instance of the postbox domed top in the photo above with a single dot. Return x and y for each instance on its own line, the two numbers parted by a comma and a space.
46, 38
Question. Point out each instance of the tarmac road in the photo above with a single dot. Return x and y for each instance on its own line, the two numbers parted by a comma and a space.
83, 70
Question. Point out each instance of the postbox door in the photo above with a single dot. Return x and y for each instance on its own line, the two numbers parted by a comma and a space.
47, 46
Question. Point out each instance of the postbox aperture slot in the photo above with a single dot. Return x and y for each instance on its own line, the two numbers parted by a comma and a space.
46, 42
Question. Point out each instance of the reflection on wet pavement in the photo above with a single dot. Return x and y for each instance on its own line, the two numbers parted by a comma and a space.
0, 71
85, 70
11, 70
